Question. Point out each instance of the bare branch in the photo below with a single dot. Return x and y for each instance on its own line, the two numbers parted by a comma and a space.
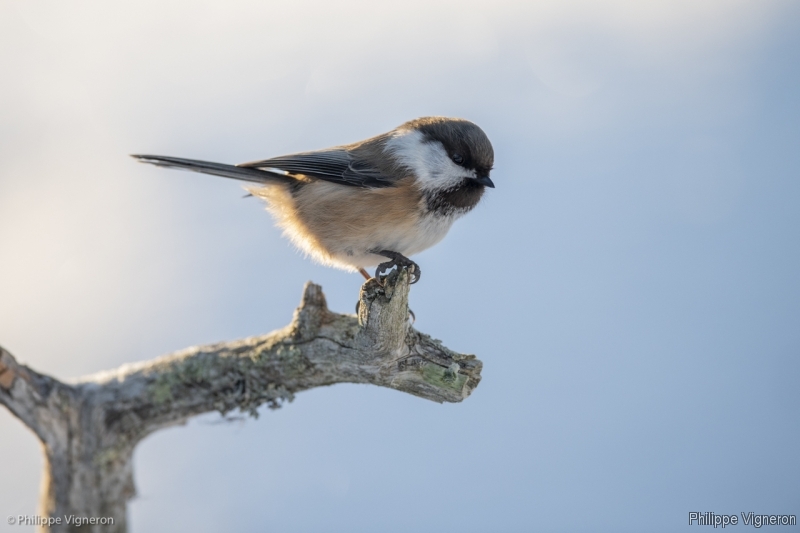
90, 428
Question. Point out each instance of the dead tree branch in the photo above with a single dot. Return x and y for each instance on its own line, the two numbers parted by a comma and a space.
89, 428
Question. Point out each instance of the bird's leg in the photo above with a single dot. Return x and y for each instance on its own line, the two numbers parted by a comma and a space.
366, 275
397, 260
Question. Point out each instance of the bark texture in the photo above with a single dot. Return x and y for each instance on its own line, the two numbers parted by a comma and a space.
90, 427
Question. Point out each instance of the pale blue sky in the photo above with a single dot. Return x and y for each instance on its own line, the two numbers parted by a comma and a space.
631, 284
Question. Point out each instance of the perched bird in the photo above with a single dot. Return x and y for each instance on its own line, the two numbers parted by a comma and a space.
357, 205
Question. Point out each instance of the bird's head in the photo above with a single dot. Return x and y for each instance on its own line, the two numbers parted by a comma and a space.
443, 153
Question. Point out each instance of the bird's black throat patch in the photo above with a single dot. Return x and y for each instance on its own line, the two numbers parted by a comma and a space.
457, 200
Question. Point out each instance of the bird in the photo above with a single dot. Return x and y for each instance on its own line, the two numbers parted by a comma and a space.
373, 202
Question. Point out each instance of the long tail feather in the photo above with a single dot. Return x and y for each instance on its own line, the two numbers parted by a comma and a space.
215, 169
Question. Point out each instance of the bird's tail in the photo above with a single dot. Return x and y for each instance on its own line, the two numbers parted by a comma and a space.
253, 175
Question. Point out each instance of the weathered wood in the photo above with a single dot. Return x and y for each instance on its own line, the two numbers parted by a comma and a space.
89, 428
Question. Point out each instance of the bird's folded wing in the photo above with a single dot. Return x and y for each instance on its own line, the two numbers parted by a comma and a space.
335, 165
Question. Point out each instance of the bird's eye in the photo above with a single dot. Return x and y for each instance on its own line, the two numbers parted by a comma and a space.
457, 159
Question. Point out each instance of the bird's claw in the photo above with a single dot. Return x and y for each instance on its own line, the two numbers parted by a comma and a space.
397, 260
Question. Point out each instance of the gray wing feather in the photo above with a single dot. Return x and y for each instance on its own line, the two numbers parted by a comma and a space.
216, 169
335, 165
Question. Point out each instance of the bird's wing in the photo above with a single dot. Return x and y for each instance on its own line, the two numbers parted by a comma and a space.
337, 165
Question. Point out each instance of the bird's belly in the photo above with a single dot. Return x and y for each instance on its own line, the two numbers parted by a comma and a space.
404, 239
341, 226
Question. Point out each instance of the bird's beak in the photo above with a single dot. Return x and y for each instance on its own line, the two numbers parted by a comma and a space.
485, 181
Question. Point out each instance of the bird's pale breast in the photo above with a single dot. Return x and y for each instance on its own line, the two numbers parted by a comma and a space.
339, 225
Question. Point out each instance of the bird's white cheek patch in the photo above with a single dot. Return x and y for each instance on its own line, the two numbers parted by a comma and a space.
428, 160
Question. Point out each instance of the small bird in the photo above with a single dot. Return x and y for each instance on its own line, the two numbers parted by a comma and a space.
357, 205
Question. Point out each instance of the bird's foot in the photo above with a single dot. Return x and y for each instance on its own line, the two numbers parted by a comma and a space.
397, 260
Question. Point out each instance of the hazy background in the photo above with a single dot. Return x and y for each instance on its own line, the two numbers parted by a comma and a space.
631, 284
